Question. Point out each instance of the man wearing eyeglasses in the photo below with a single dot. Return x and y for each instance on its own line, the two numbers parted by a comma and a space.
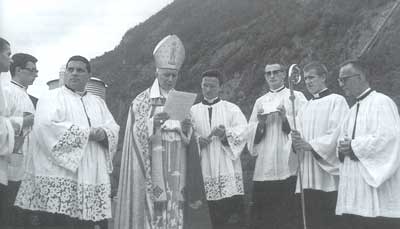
20, 110
318, 129
369, 151
274, 175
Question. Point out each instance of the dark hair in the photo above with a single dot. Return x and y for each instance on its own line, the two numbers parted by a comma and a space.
80, 58
3, 44
319, 67
358, 64
20, 60
213, 73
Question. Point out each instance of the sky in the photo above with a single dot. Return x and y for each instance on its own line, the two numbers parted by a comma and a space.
54, 30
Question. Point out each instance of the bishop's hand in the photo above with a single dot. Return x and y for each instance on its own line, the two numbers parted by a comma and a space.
186, 124
160, 118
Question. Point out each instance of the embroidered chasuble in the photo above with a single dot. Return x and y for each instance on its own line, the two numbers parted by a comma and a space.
273, 151
18, 102
319, 124
69, 173
369, 186
220, 162
152, 187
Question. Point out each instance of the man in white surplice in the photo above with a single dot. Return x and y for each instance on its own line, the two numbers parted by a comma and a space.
219, 126
318, 129
369, 149
75, 139
274, 175
7, 129
21, 109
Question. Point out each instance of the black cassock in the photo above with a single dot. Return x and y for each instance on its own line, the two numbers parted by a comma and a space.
195, 218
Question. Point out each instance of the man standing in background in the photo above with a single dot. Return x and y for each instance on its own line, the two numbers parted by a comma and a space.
7, 130
75, 138
20, 108
369, 151
274, 175
219, 126
318, 129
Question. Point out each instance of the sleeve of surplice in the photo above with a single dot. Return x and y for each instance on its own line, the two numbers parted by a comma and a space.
235, 133
6, 136
325, 145
378, 151
7, 131
252, 130
112, 130
63, 140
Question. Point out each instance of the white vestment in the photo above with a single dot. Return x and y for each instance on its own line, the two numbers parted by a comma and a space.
221, 166
319, 124
69, 173
18, 102
275, 148
370, 187
6, 134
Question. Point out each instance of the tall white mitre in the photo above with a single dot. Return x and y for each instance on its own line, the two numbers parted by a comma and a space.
169, 53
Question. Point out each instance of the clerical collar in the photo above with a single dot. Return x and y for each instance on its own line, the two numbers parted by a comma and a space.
321, 94
210, 102
364, 94
81, 93
277, 90
18, 84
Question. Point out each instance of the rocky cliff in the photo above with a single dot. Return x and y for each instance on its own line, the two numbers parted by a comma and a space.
241, 36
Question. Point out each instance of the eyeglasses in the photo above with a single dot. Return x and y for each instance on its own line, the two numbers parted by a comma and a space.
275, 72
343, 79
32, 70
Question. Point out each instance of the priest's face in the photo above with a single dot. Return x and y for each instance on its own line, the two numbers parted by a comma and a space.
167, 78
314, 82
275, 76
27, 74
349, 80
5, 59
76, 75
210, 87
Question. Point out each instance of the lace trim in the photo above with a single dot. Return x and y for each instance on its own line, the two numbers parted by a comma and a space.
112, 148
223, 186
236, 142
64, 196
69, 149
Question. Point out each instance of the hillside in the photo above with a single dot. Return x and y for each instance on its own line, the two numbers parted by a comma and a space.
241, 36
